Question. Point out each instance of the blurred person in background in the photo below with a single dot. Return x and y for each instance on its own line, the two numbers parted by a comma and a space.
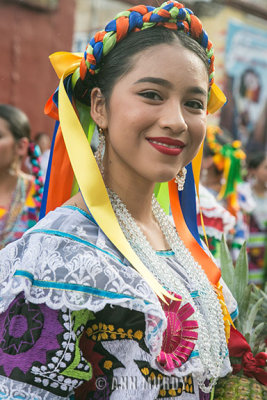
257, 241
225, 200
20, 193
43, 140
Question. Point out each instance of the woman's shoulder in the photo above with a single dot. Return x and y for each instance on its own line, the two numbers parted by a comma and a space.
66, 260
66, 218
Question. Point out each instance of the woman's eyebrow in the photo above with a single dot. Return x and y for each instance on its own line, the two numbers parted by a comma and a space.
157, 81
197, 90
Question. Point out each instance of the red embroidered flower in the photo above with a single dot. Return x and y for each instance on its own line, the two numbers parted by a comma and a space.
180, 336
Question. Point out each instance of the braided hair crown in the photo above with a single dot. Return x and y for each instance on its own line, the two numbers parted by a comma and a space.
171, 15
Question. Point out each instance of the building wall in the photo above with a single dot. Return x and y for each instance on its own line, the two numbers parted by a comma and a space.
92, 16
28, 36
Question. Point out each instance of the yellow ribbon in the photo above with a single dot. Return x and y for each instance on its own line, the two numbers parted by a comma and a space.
93, 188
216, 99
65, 63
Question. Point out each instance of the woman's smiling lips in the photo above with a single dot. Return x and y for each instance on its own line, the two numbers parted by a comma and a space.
166, 145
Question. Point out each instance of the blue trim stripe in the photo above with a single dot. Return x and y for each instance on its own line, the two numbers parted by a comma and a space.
234, 314
73, 287
195, 353
165, 253
77, 239
86, 214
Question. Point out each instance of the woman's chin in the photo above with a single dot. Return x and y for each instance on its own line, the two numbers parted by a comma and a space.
165, 178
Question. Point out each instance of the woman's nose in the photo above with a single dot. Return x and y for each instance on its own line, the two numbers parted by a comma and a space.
173, 118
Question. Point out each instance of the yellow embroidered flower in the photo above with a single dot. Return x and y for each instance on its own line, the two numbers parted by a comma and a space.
108, 364
189, 380
152, 376
138, 335
104, 335
89, 331
130, 333
145, 371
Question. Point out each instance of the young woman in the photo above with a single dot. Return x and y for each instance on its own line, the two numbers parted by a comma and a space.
20, 193
105, 298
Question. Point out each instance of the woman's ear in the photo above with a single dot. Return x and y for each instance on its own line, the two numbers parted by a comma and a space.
98, 108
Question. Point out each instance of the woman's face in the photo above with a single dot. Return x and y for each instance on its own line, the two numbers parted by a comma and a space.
156, 117
8, 146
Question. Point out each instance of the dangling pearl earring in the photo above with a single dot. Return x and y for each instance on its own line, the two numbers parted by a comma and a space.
100, 150
180, 178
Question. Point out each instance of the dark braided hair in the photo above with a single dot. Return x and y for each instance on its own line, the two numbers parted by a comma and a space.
109, 55
119, 61
34, 155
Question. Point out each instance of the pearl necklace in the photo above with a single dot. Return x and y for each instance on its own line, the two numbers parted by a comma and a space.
211, 341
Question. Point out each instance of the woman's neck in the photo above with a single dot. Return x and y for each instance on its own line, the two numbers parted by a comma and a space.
136, 195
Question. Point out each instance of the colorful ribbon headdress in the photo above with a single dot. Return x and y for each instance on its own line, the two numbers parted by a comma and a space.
227, 159
72, 164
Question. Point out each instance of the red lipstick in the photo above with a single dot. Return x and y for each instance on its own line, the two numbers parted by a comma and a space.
166, 145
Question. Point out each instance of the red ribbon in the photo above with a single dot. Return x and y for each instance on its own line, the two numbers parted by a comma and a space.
251, 366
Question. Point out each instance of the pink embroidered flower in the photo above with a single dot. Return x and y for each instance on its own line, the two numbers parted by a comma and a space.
180, 336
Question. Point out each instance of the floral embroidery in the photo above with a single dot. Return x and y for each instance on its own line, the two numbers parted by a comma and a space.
110, 325
169, 386
102, 331
39, 346
25, 329
180, 335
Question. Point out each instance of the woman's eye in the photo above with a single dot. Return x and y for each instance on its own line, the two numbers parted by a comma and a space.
198, 105
151, 95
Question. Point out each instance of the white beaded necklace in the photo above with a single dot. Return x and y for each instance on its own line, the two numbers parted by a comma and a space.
211, 341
